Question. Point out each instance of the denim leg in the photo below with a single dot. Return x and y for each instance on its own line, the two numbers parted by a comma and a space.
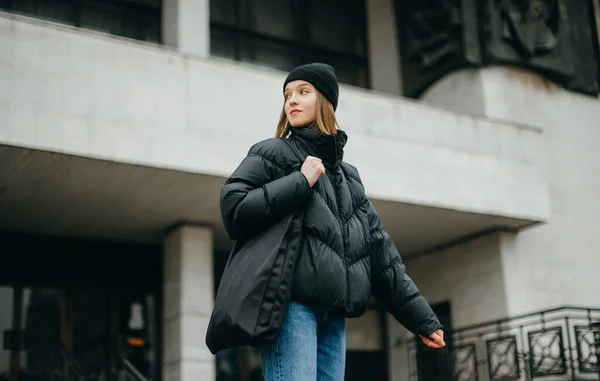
293, 355
331, 352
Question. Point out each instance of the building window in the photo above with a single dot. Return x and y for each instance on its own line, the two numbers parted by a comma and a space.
137, 19
284, 34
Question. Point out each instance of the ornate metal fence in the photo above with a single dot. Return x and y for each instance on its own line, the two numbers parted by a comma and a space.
558, 344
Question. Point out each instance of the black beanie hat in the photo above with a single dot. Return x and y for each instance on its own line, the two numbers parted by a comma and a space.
321, 76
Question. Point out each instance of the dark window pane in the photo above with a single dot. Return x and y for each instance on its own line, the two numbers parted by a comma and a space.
222, 11
150, 26
52, 10
338, 28
138, 19
90, 324
271, 17
142, 24
348, 71
270, 54
222, 43
144, 3
41, 321
136, 320
351, 73
6, 301
130, 25
228, 364
101, 17
280, 34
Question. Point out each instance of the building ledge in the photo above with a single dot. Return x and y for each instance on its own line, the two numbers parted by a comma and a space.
95, 96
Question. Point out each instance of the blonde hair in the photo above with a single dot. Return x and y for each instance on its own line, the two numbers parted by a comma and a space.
324, 122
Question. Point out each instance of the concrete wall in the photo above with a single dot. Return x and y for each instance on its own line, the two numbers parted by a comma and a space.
364, 333
101, 96
556, 264
459, 91
560, 263
469, 276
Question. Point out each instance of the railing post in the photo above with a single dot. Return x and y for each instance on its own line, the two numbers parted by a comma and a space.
570, 348
525, 353
596, 330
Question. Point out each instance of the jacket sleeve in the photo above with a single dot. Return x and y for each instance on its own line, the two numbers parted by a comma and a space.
392, 286
258, 194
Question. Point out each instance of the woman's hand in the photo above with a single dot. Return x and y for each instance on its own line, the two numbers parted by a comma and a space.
435, 340
312, 168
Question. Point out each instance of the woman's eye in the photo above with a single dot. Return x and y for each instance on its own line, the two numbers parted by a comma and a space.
304, 92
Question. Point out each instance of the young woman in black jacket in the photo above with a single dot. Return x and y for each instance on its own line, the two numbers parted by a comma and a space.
346, 255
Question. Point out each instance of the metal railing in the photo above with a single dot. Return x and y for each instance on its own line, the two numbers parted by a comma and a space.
68, 369
557, 344
129, 372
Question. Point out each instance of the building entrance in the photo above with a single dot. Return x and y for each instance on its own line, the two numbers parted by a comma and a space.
91, 318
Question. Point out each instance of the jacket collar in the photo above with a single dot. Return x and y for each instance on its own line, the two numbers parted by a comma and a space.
329, 148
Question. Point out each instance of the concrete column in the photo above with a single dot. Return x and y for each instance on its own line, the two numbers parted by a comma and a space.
188, 302
399, 365
186, 26
384, 58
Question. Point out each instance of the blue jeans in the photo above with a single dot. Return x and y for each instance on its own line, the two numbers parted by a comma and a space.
311, 346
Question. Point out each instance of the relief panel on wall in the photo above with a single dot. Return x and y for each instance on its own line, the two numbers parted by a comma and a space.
555, 38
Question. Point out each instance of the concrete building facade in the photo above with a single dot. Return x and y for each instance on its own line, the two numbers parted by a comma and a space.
113, 151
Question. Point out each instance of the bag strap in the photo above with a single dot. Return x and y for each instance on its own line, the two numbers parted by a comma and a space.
298, 214
295, 151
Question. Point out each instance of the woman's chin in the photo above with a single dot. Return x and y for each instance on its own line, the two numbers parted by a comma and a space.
299, 123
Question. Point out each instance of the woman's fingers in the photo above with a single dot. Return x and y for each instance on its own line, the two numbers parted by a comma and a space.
438, 337
433, 341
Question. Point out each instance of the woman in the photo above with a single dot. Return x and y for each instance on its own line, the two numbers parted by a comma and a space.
346, 256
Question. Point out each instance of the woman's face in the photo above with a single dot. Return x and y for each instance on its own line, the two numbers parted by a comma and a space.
300, 103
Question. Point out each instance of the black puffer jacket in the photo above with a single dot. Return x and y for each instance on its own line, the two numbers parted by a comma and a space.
346, 255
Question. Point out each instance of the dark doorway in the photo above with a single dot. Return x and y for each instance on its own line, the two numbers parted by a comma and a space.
366, 366
78, 308
436, 364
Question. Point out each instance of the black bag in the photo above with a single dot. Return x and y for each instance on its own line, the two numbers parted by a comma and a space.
255, 290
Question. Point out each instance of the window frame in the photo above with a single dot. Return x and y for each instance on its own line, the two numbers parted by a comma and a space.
130, 7
304, 45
